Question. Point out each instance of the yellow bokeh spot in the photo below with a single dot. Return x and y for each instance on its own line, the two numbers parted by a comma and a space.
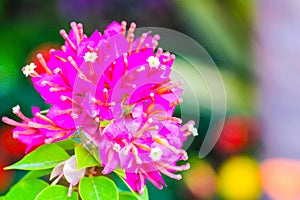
239, 179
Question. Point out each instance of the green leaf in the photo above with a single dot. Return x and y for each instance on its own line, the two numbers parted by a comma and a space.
2, 197
84, 158
97, 156
98, 188
37, 173
120, 172
26, 189
67, 144
105, 123
145, 196
56, 192
44, 157
126, 196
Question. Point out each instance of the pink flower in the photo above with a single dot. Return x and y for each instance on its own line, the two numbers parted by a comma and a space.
144, 148
40, 129
118, 91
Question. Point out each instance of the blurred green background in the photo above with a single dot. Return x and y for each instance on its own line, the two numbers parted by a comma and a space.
223, 27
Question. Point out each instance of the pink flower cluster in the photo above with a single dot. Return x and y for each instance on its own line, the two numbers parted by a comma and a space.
116, 90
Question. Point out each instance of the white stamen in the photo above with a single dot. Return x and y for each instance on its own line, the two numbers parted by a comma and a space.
192, 129
15, 135
150, 120
153, 62
90, 57
57, 70
117, 147
16, 109
94, 113
93, 99
74, 116
156, 154
29, 69
63, 98
47, 141
97, 119
151, 94
141, 68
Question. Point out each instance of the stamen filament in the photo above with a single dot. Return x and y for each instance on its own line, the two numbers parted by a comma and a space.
80, 30
131, 38
17, 111
168, 88
155, 40
142, 179
159, 52
58, 89
66, 37
59, 135
25, 132
145, 47
14, 123
143, 37
131, 30
169, 174
107, 165
58, 57
154, 182
63, 48
135, 153
171, 57
165, 143
143, 146
76, 32
43, 117
123, 27
74, 64
176, 102
126, 62
57, 179
41, 59
92, 72
174, 167
37, 125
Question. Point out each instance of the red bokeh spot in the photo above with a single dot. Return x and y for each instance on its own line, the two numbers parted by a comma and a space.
6, 178
10, 146
237, 134
44, 50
